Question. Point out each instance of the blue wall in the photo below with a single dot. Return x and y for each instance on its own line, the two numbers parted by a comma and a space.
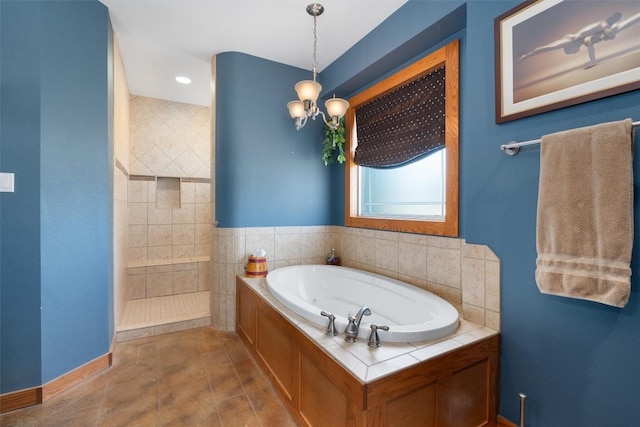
576, 360
416, 28
20, 211
57, 226
267, 173
76, 185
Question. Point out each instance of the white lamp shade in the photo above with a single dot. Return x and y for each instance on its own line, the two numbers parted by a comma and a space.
296, 109
308, 90
336, 107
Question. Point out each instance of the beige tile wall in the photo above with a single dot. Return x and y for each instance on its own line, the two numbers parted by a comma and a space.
169, 139
284, 246
162, 234
466, 275
120, 241
169, 279
120, 182
168, 243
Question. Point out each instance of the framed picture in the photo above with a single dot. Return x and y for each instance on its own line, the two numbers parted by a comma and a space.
552, 54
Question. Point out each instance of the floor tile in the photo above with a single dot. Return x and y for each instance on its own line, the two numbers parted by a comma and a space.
198, 377
223, 380
237, 412
78, 418
268, 408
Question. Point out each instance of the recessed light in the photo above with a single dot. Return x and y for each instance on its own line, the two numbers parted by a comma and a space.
184, 80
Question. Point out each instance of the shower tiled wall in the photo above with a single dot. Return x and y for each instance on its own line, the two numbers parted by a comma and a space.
172, 278
120, 239
120, 183
169, 224
466, 275
169, 139
162, 234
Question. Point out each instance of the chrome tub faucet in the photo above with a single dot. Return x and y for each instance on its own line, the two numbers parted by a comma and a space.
353, 327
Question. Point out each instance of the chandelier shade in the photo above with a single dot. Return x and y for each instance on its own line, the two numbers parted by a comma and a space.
308, 90
336, 107
296, 109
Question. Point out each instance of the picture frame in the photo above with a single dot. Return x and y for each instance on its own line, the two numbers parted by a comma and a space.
551, 54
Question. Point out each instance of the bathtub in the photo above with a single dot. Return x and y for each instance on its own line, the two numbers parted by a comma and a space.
411, 313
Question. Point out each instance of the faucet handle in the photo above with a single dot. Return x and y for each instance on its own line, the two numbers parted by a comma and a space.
331, 327
374, 340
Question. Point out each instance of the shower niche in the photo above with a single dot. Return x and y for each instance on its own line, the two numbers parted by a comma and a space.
167, 193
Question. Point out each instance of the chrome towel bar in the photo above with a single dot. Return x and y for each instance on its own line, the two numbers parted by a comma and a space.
513, 147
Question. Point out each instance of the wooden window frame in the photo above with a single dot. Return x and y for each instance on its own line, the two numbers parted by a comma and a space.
447, 56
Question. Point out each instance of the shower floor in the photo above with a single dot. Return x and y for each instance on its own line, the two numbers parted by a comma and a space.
162, 315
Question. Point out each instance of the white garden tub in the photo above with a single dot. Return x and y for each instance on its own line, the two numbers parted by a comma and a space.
411, 313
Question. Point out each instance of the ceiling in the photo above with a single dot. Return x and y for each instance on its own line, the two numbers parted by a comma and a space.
161, 39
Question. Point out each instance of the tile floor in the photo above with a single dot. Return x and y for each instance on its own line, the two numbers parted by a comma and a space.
198, 377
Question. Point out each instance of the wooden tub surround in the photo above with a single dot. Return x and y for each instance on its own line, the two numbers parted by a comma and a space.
324, 381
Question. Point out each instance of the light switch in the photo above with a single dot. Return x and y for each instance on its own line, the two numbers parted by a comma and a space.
6, 182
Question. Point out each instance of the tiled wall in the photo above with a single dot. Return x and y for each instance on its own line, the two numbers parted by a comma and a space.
466, 275
284, 246
120, 240
163, 234
169, 244
169, 279
169, 139
120, 181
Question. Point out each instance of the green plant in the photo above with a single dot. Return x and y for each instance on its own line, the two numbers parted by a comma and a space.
333, 145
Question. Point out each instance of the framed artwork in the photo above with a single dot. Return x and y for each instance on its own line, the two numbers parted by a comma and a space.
552, 54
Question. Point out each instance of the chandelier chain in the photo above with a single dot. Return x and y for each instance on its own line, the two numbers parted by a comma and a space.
315, 48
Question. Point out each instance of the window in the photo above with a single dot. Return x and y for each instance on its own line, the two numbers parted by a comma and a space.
384, 193
421, 194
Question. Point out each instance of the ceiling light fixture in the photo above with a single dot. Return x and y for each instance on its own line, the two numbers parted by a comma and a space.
309, 90
184, 80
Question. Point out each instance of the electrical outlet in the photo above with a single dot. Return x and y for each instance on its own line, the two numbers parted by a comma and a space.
6, 182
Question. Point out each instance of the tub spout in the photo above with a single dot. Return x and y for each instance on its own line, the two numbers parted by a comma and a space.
353, 327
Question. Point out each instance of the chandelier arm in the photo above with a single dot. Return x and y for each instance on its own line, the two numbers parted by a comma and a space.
331, 124
314, 111
300, 122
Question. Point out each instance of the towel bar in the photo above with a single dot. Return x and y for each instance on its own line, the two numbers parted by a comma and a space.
513, 147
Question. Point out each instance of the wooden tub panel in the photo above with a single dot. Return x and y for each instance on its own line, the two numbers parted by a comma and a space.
456, 389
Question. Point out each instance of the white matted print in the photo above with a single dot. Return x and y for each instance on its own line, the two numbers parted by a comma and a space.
556, 53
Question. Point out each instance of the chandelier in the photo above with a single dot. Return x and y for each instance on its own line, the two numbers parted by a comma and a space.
309, 90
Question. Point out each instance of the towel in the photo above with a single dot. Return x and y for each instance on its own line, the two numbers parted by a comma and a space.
584, 230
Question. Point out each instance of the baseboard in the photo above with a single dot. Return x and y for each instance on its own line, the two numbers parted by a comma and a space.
68, 380
503, 422
36, 395
20, 399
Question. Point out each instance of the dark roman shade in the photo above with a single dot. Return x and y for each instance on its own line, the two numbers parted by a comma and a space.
402, 125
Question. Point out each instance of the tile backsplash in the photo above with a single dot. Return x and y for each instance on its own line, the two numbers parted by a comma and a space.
466, 275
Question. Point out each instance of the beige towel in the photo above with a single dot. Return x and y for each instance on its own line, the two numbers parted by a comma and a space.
585, 213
